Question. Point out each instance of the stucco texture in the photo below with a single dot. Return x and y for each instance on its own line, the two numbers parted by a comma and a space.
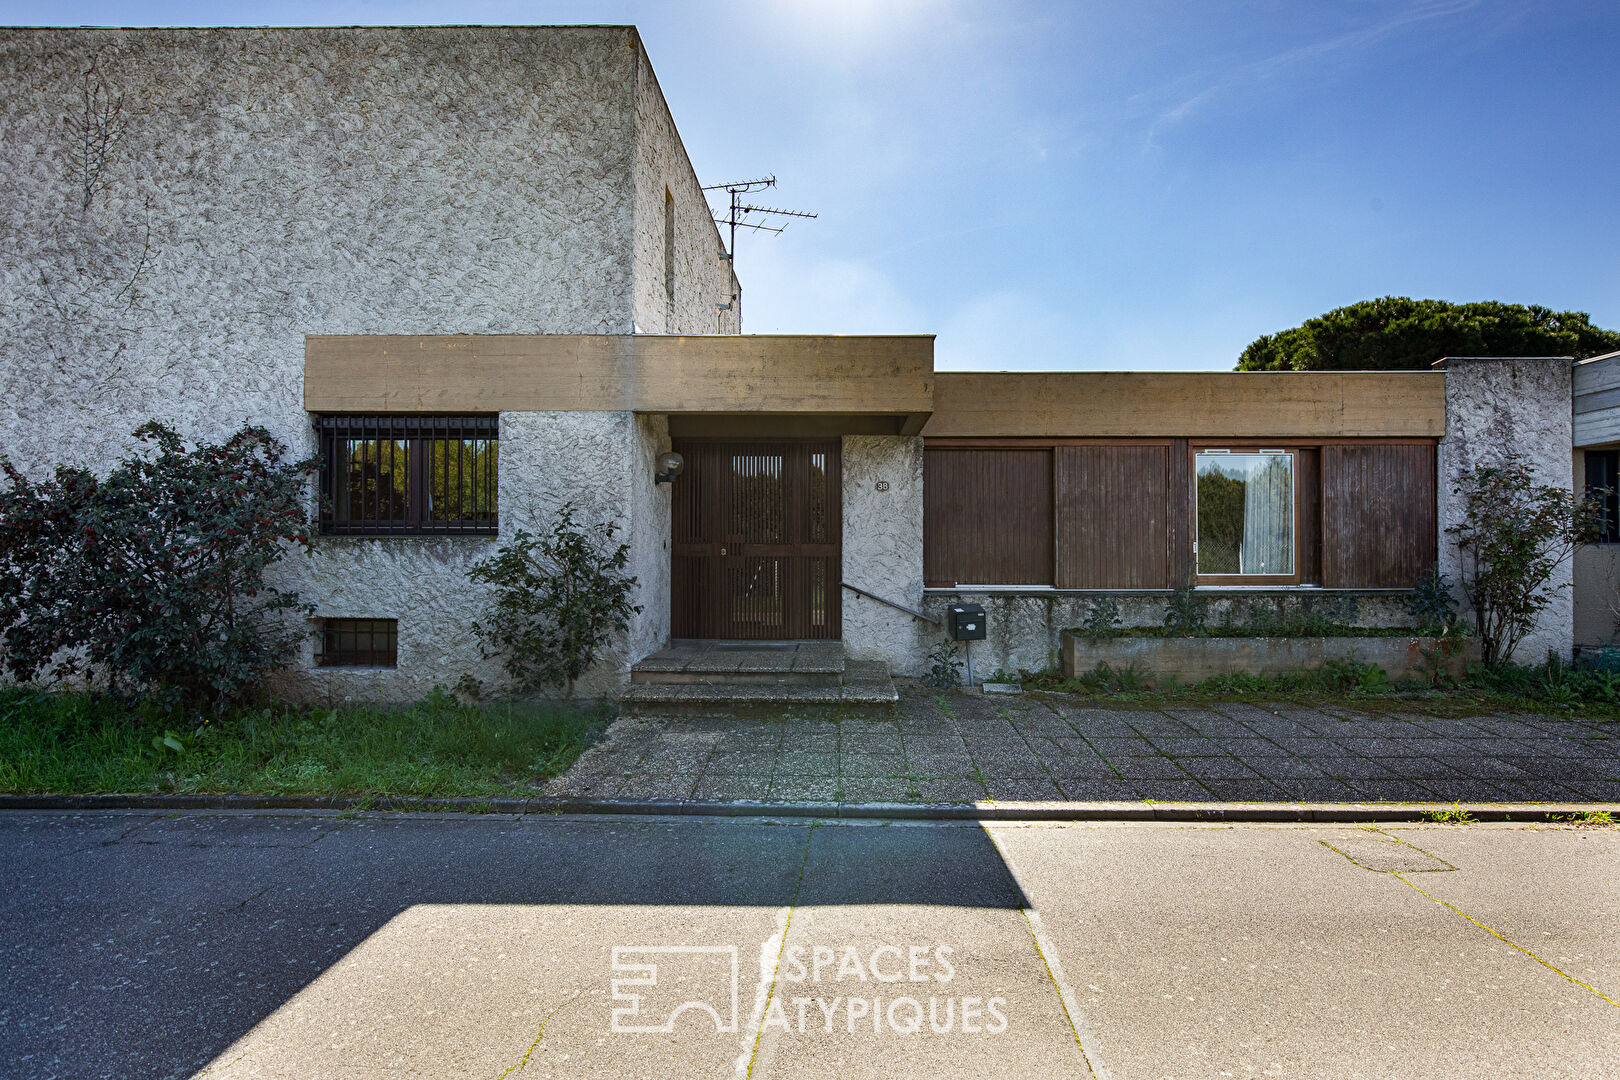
1024, 627
703, 279
1496, 407
883, 549
251, 187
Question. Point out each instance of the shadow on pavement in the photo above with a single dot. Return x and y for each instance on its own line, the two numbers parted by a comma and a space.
145, 945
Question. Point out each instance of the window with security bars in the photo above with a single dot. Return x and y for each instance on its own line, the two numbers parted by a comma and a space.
409, 474
358, 643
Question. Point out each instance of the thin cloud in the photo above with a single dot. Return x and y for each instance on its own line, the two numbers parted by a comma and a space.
1289, 59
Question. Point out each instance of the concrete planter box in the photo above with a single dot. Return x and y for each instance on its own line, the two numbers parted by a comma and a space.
1193, 659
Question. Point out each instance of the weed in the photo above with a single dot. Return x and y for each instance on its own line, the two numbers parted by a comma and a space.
1453, 815
945, 666
1601, 819
1187, 612
1102, 620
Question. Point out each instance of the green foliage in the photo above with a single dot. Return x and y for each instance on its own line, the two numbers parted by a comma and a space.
1513, 534
944, 666
1453, 815
1432, 603
1348, 677
1294, 616
1186, 612
558, 598
74, 742
1102, 620
1435, 666
1103, 679
155, 574
1602, 819
1553, 685
1396, 333
1221, 501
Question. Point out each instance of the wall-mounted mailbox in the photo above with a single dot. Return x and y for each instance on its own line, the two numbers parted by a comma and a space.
966, 622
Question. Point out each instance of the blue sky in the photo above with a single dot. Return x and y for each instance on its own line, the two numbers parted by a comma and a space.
1141, 185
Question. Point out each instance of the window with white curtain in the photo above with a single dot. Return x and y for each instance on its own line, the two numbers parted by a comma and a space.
1245, 513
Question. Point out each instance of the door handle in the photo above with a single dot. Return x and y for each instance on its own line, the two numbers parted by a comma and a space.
722, 551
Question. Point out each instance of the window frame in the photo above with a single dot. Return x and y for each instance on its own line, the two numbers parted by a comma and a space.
1608, 503
326, 656
419, 433
1201, 579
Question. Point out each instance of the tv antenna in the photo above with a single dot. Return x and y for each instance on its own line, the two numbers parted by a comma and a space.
739, 211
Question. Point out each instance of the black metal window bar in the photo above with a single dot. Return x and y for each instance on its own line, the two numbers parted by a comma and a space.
409, 474
359, 643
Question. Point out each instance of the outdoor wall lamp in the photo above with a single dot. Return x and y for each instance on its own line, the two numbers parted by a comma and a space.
670, 466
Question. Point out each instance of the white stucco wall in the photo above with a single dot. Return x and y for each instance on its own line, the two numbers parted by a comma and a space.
1495, 407
703, 276
883, 538
268, 184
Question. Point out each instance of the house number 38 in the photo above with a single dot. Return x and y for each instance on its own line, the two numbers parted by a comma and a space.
882, 485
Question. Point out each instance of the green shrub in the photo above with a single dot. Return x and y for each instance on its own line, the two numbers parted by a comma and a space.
1514, 533
154, 576
558, 599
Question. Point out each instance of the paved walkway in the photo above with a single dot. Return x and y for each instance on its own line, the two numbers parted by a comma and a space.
964, 748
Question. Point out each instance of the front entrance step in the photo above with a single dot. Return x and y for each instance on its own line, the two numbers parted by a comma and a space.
744, 663
866, 690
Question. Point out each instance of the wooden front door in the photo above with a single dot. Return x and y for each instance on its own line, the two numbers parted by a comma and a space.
757, 545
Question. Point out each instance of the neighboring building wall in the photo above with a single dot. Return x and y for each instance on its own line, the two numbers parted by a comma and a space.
1024, 627
1597, 595
883, 549
268, 184
1496, 407
703, 279
1597, 566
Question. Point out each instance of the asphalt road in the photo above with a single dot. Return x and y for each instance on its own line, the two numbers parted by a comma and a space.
148, 945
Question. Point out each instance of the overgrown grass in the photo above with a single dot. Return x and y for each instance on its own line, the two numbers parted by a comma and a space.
59, 743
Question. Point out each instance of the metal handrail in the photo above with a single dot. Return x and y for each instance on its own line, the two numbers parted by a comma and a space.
913, 612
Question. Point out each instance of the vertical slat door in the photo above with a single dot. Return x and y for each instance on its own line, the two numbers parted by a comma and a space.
756, 550
1379, 515
1113, 517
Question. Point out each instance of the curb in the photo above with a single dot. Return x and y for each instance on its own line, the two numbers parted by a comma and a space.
1001, 811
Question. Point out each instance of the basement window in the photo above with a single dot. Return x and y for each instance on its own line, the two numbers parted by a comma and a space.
358, 643
385, 475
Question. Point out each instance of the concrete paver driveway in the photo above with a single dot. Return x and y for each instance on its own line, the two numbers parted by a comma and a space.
316, 946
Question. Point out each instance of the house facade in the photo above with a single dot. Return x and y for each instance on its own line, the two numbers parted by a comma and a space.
473, 269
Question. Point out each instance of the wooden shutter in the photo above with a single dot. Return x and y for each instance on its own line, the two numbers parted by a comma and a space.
987, 517
1113, 517
1378, 515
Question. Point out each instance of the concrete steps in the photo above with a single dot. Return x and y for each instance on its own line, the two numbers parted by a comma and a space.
757, 679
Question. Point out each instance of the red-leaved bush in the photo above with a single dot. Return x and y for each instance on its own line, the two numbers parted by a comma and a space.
153, 576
